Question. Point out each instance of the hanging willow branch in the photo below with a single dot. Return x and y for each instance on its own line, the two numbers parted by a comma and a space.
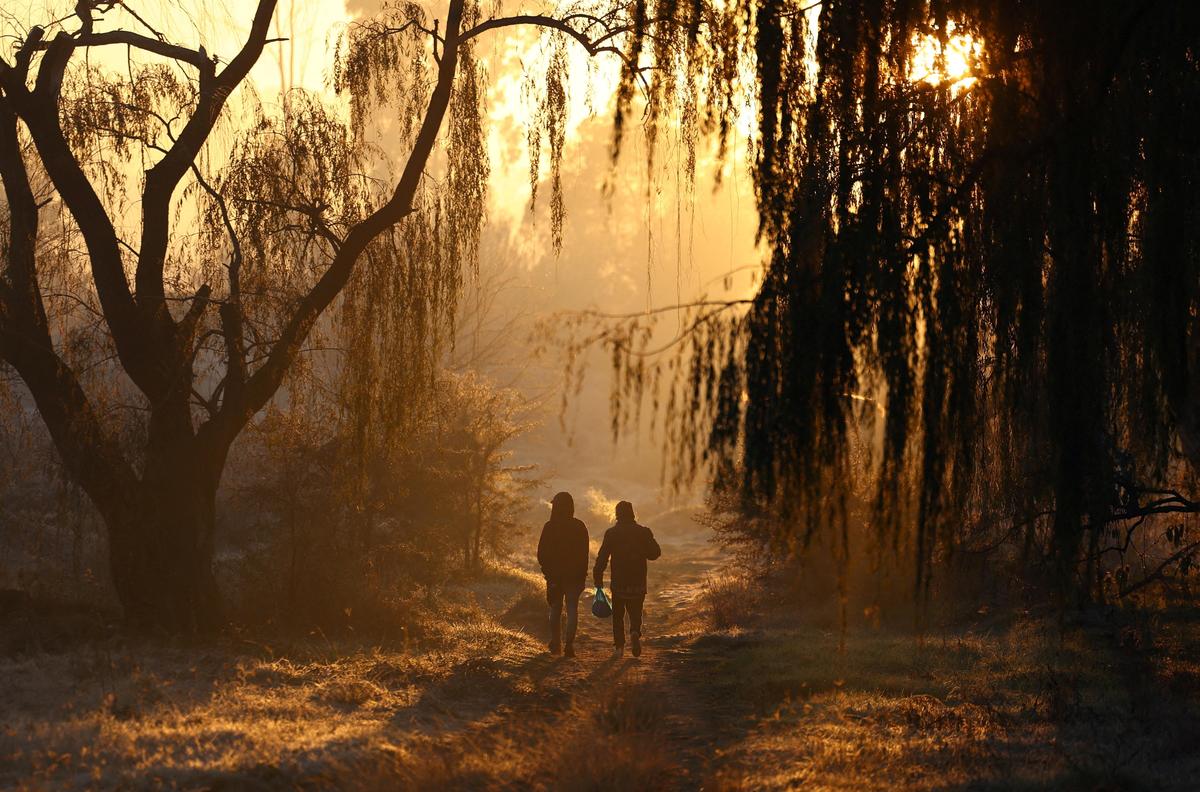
1004, 267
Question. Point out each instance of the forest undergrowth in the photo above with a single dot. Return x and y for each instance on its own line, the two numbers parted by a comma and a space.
736, 691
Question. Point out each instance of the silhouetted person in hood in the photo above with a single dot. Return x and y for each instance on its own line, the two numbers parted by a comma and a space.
563, 554
630, 546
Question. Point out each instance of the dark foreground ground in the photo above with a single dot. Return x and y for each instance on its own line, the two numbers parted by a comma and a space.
1013, 702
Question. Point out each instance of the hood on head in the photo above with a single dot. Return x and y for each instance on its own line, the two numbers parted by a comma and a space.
562, 507
625, 512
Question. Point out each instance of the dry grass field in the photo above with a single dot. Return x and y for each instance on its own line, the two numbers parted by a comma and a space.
756, 701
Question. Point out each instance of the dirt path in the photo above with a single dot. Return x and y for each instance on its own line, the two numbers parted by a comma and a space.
666, 671
524, 694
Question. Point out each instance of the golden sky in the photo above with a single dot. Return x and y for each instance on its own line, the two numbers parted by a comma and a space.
720, 236
716, 226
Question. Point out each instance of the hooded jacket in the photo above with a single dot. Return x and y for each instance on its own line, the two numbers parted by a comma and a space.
629, 546
563, 546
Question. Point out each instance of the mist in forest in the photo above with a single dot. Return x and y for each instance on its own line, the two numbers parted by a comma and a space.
733, 395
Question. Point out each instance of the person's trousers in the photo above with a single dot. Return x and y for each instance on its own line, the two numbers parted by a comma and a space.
556, 596
632, 606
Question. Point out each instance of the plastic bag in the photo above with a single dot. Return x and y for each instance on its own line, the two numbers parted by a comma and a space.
601, 607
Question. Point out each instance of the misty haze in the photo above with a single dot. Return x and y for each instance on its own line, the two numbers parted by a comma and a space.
750, 395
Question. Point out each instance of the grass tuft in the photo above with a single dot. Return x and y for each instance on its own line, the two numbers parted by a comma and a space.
730, 601
611, 762
630, 709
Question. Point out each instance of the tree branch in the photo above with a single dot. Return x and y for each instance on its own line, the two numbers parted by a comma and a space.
38, 109
22, 223
1157, 574
162, 179
147, 44
25, 343
262, 385
593, 47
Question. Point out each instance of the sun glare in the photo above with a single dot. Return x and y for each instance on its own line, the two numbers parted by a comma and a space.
954, 61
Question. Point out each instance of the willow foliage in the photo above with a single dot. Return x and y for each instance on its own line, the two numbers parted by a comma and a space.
981, 293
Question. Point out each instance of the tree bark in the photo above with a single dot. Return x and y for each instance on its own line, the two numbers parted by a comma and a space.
161, 549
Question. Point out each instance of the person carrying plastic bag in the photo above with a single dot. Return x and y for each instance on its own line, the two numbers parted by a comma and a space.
629, 546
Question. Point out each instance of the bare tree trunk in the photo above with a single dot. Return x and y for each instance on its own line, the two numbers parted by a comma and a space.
162, 566
161, 549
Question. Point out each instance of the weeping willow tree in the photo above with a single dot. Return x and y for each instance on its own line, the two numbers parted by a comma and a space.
981, 280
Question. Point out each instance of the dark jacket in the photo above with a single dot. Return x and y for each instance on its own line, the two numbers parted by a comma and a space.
630, 546
563, 547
